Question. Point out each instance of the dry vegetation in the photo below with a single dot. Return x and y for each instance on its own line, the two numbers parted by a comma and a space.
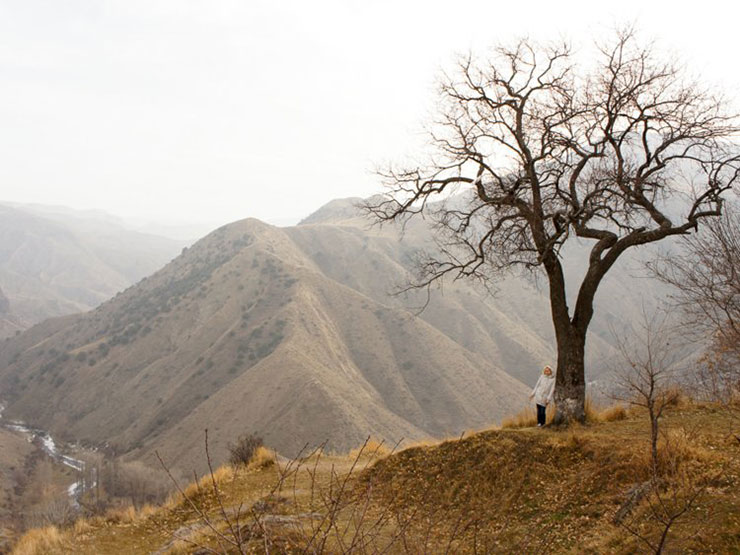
523, 490
527, 417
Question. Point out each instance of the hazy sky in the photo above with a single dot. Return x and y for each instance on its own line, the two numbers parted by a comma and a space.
212, 111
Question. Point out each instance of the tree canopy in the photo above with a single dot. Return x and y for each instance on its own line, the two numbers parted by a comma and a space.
545, 146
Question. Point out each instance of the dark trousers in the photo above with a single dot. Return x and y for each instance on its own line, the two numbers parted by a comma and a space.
541, 415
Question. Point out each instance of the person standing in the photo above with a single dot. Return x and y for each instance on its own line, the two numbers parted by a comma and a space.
543, 393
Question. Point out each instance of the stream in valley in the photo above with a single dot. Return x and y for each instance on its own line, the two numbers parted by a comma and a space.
46, 442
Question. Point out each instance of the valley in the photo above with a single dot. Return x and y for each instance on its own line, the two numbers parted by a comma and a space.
296, 334
40, 481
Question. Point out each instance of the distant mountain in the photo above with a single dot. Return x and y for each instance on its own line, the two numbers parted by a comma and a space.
85, 220
513, 326
9, 322
55, 262
337, 211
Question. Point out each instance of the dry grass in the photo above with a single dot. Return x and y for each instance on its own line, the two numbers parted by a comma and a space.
594, 466
147, 510
263, 457
173, 500
372, 449
437, 497
188, 545
123, 515
678, 398
205, 482
681, 444
527, 418
678, 452
597, 413
612, 413
591, 410
40, 541
426, 442
82, 526
575, 438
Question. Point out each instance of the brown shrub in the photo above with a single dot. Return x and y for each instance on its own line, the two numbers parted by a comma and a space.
205, 482
372, 449
591, 410
242, 452
263, 457
677, 451
133, 481
39, 541
613, 413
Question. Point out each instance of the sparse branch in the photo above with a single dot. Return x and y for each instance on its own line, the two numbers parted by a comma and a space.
705, 276
647, 375
529, 151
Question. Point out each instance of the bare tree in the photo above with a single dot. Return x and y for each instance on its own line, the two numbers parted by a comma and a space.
544, 152
647, 374
706, 278
648, 378
666, 509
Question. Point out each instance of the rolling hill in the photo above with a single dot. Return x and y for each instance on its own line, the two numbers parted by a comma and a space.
246, 332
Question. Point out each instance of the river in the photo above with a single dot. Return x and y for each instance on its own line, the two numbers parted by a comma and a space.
49, 446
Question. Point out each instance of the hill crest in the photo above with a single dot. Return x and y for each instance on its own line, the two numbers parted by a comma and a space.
249, 330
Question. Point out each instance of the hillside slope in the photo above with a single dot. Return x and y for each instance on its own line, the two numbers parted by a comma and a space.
13, 454
512, 325
498, 491
245, 332
9, 322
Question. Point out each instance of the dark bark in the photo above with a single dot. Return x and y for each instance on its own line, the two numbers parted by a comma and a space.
570, 384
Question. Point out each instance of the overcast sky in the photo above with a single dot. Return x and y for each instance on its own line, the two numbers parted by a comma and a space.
212, 111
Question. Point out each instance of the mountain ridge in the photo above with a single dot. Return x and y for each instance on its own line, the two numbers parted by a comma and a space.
246, 331
51, 267
292, 333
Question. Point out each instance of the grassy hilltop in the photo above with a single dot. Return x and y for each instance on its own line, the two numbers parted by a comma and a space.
583, 489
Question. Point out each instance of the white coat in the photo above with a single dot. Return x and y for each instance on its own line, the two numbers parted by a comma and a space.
544, 390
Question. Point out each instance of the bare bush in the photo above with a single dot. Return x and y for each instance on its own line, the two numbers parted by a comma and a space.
243, 451
131, 482
648, 379
55, 512
665, 500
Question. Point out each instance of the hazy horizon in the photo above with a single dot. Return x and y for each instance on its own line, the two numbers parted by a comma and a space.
209, 112
171, 228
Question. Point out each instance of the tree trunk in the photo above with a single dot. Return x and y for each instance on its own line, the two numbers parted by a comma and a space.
570, 385
570, 382
653, 437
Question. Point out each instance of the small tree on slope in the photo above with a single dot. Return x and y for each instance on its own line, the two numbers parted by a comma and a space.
546, 153
706, 278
